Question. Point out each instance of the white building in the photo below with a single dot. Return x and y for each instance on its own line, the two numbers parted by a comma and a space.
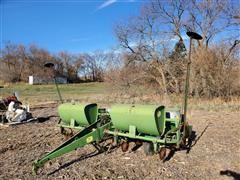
37, 80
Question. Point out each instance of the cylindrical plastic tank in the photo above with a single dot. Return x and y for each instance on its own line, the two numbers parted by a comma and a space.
147, 119
82, 114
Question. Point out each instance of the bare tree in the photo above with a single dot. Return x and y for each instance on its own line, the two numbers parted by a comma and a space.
69, 65
211, 18
94, 65
145, 39
146, 48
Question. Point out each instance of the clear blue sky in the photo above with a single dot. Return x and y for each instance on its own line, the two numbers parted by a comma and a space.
71, 25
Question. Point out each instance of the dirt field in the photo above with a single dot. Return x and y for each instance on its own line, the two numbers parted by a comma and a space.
215, 153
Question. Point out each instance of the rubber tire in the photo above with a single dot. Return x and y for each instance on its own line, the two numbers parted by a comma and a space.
124, 146
162, 153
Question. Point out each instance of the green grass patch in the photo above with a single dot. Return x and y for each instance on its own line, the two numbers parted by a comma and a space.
41, 93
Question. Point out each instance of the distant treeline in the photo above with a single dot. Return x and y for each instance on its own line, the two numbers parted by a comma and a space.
152, 52
19, 61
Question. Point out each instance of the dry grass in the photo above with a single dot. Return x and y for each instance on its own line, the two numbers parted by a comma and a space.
215, 104
103, 94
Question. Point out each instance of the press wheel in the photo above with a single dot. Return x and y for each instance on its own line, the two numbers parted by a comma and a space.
162, 153
125, 146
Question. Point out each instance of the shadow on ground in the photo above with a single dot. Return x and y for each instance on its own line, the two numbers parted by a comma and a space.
191, 143
194, 139
235, 175
43, 119
92, 154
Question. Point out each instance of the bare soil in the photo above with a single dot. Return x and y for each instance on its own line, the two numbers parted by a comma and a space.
215, 152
